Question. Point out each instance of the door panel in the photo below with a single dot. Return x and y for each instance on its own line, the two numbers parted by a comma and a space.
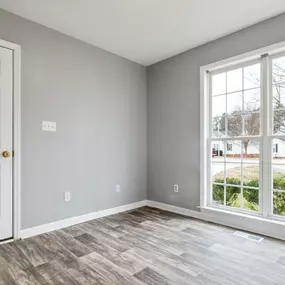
6, 83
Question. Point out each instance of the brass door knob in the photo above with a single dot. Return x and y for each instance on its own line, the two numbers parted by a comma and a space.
6, 154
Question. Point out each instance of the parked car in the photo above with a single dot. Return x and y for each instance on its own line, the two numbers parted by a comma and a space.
216, 152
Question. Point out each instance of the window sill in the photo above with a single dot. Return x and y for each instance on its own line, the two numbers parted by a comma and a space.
251, 223
257, 217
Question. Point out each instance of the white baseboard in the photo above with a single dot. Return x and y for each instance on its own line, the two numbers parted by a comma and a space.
244, 222
259, 225
79, 219
174, 209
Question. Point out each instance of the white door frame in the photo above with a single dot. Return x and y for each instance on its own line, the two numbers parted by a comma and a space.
16, 135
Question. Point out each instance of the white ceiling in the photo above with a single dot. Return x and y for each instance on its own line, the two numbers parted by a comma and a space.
146, 31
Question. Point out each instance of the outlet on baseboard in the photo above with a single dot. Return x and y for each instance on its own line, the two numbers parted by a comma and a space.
176, 188
67, 196
118, 188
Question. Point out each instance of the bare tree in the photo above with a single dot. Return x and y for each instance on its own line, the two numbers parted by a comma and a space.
236, 120
247, 122
251, 126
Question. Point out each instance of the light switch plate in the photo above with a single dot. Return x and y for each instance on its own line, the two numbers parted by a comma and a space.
49, 126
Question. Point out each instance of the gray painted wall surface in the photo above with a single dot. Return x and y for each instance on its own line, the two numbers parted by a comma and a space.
99, 103
174, 112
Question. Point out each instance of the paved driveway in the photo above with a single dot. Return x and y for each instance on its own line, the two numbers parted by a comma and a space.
234, 163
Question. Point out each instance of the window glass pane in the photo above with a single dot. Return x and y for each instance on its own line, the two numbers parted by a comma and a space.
234, 80
279, 203
233, 196
234, 103
233, 173
252, 100
278, 177
229, 147
278, 180
218, 127
218, 151
218, 105
251, 175
279, 122
218, 194
278, 68
278, 96
233, 155
234, 126
219, 84
251, 124
278, 151
218, 172
252, 76
250, 150
250, 199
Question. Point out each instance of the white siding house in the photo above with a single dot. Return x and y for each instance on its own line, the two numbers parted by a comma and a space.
237, 147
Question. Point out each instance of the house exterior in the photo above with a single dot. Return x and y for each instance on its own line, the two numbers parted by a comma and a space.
249, 148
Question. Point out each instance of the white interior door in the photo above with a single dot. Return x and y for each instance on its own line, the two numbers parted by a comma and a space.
6, 140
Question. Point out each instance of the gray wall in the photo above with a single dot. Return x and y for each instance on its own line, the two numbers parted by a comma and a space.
174, 112
99, 103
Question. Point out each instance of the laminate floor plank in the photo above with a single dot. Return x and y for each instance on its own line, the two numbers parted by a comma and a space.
238, 272
105, 228
107, 239
167, 270
63, 278
117, 274
281, 260
88, 275
151, 277
73, 231
96, 246
153, 240
189, 267
134, 218
70, 243
110, 221
16, 266
146, 246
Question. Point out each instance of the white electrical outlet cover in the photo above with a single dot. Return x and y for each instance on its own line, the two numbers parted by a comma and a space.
67, 196
49, 126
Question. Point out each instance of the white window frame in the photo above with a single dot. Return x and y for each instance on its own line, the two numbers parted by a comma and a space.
265, 55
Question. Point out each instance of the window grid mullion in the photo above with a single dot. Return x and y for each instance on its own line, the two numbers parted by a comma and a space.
226, 115
210, 131
270, 132
225, 142
265, 162
243, 133
225, 172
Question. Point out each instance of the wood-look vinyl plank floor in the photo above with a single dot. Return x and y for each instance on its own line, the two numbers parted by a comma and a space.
140, 247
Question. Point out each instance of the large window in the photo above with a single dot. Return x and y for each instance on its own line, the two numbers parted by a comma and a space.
246, 136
